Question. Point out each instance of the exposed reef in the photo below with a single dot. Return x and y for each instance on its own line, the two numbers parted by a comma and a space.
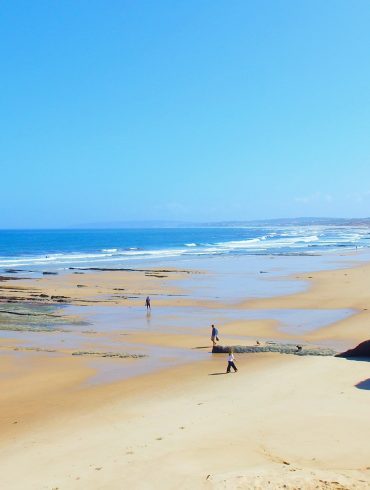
33, 317
120, 355
297, 350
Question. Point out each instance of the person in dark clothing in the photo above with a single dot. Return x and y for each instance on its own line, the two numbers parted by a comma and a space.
214, 335
147, 303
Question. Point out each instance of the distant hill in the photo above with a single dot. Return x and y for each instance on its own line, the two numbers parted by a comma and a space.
303, 221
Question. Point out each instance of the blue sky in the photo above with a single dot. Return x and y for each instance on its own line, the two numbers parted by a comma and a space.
197, 110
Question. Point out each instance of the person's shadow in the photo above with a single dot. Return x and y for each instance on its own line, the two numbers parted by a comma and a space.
217, 374
363, 385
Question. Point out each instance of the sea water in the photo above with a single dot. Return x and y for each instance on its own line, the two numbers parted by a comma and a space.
114, 248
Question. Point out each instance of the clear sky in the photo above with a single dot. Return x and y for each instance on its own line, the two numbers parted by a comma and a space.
183, 110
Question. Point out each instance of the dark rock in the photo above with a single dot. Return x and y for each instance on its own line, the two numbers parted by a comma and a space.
362, 350
6, 278
107, 269
47, 273
154, 275
60, 299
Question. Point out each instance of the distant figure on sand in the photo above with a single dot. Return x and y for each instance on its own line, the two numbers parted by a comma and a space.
230, 362
147, 303
214, 335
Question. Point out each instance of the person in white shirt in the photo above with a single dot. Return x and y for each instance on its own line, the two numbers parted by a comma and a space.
230, 362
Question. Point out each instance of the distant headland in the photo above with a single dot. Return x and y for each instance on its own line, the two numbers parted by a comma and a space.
300, 221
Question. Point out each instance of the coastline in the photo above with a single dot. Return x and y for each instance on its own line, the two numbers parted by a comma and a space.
232, 425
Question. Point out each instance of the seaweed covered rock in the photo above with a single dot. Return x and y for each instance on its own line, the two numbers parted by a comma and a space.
298, 350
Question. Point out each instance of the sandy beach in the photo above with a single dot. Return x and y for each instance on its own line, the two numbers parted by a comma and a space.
72, 419
185, 245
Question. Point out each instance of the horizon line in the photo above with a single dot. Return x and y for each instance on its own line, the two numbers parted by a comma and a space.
132, 224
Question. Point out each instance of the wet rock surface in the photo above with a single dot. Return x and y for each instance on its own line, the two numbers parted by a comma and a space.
119, 355
35, 318
298, 350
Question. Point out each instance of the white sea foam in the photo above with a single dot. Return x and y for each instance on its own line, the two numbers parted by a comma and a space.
239, 243
312, 238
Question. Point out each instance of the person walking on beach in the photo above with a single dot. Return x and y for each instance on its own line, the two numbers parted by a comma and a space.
214, 335
230, 362
147, 303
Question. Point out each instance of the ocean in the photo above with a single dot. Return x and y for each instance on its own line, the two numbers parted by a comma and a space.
114, 248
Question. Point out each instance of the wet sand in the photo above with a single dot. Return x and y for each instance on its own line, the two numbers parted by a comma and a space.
86, 421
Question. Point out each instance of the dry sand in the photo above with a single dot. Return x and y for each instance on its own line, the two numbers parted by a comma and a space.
280, 422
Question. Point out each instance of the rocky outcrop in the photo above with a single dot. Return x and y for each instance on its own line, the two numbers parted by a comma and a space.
362, 350
120, 355
148, 271
298, 350
7, 278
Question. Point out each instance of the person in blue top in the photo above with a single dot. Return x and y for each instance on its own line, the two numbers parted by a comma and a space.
214, 335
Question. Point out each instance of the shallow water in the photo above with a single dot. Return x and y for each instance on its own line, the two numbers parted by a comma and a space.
181, 319
225, 281
110, 369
